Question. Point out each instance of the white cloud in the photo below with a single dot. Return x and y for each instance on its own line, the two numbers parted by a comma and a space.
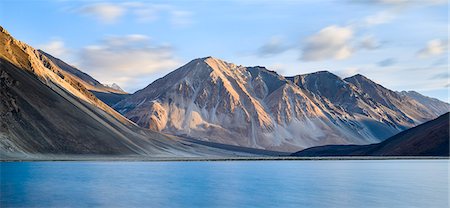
139, 11
332, 42
55, 48
149, 12
433, 48
382, 17
126, 60
105, 12
134, 40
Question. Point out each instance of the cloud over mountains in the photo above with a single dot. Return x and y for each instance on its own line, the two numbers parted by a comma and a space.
330, 42
124, 59
433, 48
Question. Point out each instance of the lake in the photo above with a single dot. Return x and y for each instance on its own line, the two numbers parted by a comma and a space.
344, 183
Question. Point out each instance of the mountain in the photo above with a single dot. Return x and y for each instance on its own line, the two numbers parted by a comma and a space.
428, 139
45, 110
369, 102
108, 94
212, 100
433, 104
114, 86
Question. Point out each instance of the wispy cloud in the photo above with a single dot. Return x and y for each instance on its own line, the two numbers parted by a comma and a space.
433, 48
387, 62
104, 12
401, 2
442, 75
55, 47
275, 45
143, 12
126, 59
332, 42
381, 17
386, 2
369, 43
181, 18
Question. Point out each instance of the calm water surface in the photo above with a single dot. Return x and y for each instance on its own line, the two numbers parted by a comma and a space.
400, 183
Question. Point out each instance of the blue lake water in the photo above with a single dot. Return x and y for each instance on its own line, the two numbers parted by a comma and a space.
378, 183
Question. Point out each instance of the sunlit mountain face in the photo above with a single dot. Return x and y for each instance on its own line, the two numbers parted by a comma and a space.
213, 100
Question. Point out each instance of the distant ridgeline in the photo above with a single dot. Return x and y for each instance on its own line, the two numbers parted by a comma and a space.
428, 139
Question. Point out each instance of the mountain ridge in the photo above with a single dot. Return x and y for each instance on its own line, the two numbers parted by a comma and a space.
107, 94
428, 139
45, 112
217, 101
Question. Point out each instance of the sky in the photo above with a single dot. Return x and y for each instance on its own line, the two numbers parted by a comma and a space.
400, 44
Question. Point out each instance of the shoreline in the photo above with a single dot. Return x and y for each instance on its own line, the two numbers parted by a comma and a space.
218, 159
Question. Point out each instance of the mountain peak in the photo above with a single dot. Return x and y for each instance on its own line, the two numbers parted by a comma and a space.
359, 77
209, 62
207, 58
114, 86
323, 73
361, 80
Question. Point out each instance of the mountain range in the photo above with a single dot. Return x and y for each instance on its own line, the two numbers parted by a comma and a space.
207, 107
213, 100
48, 110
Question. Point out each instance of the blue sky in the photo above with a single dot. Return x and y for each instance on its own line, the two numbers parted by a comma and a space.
401, 44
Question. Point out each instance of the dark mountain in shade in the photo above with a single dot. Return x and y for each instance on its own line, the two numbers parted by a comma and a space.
428, 139
108, 94
47, 110
213, 100
110, 98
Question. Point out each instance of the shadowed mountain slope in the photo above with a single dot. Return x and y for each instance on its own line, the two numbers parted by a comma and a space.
428, 139
108, 94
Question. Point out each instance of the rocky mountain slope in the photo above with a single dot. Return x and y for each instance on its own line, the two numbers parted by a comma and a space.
216, 101
108, 94
432, 104
428, 139
114, 86
47, 110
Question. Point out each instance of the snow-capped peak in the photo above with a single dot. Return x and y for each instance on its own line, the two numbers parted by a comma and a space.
114, 86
